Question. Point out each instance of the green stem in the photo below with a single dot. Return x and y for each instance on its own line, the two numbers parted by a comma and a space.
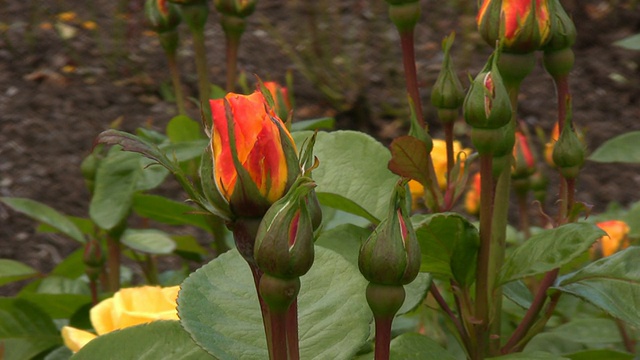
217, 231
532, 313
410, 73
113, 263
201, 67
448, 136
175, 80
498, 244
484, 253
152, 270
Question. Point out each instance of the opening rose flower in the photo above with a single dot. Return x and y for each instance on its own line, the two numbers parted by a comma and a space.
127, 307
615, 240
523, 24
255, 160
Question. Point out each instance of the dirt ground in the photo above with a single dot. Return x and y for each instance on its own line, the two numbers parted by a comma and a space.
62, 83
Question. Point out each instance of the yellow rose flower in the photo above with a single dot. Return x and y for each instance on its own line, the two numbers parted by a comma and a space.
439, 158
127, 307
417, 194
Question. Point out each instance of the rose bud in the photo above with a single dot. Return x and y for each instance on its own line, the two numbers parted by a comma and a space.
284, 242
391, 254
255, 159
447, 93
523, 25
525, 160
161, 15
236, 8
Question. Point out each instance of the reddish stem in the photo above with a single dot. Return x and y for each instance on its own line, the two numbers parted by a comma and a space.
113, 263
292, 331
562, 91
448, 136
278, 349
233, 42
456, 322
383, 337
532, 312
410, 72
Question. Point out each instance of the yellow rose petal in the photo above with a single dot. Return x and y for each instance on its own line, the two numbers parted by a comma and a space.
75, 339
102, 317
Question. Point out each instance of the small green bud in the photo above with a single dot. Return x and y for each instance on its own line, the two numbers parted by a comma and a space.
284, 242
235, 8
404, 14
93, 258
161, 15
447, 92
568, 151
487, 105
538, 183
563, 30
391, 254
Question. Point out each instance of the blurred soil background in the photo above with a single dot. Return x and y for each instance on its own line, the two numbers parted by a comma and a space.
71, 69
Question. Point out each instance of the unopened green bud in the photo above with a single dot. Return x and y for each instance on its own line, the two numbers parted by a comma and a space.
194, 13
284, 242
236, 8
487, 105
447, 93
568, 152
404, 14
93, 258
391, 254
563, 30
161, 15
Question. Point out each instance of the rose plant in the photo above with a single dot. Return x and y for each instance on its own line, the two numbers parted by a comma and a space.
338, 246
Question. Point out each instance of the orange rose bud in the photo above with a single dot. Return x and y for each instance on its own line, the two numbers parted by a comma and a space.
525, 160
524, 25
255, 160
161, 15
615, 240
280, 96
